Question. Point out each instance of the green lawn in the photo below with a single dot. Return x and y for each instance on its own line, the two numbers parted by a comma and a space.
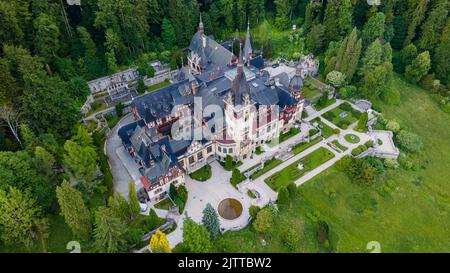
339, 145
291, 173
305, 145
320, 107
327, 131
283, 137
259, 150
202, 174
310, 92
157, 86
334, 115
165, 204
351, 138
412, 217
268, 165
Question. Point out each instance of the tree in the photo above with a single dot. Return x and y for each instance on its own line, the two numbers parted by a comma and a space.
264, 220
47, 36
253, 210
159, 243
345, 18
10, 31
20, 217
47, 105
362, 122
135, 208
348, 55
109, 232
336, 78
418, 68
283, 8
196, 238
292, 189
228, 162
433, 26
75, 212
44, 161
11, 117
332, 32
283, 196
291, 238
374, 28
407, 55
120, 207
415, 15
408, 141
315, 39
210, 220
17, 169
90, 50
82, 163
168, 34
372, 57
441, 60
361, 172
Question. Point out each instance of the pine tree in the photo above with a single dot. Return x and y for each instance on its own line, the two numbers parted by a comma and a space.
168, 34
362, 122
109, 232
348, 55
135, 208
415, 15
331, 13
210, 220
345, 20
284, 9
159, 243
374, 28
372, 57
75, 213
441, 60
418, 68
315, 40
407, 55
120, 207
433, 26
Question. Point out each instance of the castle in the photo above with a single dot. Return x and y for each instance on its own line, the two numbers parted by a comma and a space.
252, 109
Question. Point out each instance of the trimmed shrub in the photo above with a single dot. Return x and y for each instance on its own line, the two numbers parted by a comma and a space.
409, 142
283, 196
391, 164
253, 210
291, 238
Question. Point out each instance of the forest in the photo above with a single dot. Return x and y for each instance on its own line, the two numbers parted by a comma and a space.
55, 182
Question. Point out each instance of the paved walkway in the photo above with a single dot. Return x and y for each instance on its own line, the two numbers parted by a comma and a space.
119, 172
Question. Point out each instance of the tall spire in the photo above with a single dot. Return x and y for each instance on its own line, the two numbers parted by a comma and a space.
201, 27
240, 66
248, 50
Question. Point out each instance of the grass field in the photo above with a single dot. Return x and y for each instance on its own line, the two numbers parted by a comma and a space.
413, 217
291, 173
165, 204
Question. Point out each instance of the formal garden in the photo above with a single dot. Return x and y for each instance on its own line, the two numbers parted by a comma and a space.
343, 116
297, 169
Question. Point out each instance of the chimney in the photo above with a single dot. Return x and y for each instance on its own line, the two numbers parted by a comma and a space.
193, 88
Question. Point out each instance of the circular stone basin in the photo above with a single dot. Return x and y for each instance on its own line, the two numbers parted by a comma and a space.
230, 209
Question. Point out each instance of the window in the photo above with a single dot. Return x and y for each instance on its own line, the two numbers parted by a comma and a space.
209, 149
220, 149
191, 160
268, 128
200, 155
230, 150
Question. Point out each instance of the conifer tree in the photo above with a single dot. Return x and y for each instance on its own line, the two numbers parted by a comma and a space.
434, 24
210, 220
75, 213
135, 208
348, 55
109, 232
418, 68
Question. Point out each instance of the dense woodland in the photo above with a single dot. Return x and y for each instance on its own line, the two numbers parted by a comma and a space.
49, 50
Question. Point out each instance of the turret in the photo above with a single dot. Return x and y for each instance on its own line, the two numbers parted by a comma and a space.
201, 27
248, 50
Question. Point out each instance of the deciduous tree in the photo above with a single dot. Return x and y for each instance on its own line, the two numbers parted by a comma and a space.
159, 243
196, 238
